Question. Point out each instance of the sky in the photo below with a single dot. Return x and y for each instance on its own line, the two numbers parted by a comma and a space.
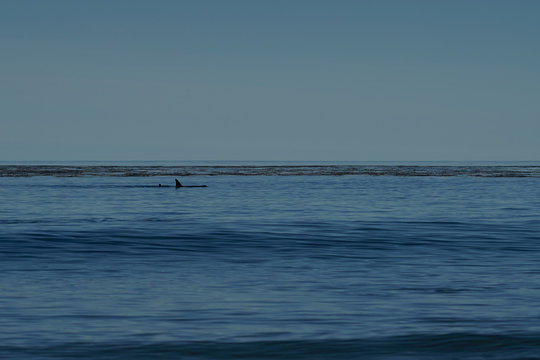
335, 80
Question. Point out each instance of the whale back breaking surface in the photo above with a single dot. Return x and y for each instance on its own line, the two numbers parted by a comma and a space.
178, 185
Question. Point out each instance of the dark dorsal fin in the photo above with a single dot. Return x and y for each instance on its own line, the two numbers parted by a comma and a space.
178, 183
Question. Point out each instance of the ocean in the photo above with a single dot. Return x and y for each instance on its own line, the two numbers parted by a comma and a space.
270, 261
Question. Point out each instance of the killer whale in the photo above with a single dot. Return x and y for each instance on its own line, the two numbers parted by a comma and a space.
178, 185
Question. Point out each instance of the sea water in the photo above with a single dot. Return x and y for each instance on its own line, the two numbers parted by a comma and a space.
270, 262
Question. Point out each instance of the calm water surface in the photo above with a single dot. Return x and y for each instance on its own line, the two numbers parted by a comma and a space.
264, 266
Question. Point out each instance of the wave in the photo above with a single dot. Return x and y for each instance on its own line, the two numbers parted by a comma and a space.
419, 346
269, 170
165, 236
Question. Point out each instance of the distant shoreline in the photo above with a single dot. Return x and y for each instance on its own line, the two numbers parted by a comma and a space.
270, 170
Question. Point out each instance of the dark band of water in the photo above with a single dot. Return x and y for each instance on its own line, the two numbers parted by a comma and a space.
444, 346
269, 170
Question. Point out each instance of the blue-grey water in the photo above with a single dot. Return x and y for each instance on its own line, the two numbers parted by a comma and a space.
270, 261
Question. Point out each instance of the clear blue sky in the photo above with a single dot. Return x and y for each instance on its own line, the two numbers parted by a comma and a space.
269, 80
